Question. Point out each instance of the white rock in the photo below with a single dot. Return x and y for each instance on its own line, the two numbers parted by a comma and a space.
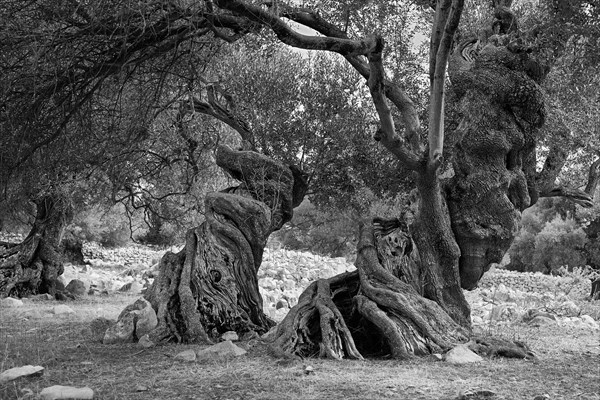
10, 302
224, 349
66, 392
590, 321
230, 335
18, 372
461, 354
186, 355
541, 320
145, 342
122, 331
62, 310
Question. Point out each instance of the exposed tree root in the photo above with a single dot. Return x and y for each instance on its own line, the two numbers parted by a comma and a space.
315, 326
497, 347
369, 311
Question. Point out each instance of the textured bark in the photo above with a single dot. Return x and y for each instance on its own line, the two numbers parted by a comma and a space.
33, 266
405, 302
595, 293
378, 310
211, 286
501, 109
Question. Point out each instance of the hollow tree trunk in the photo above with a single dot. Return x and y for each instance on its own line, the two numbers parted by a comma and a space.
211, 286
33, 266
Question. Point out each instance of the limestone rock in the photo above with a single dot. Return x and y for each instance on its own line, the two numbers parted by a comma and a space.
98, 328
42, 297
10, 302
221, 350
76, 287
186, 355
62, 310
230, 335
145, 342
132, 287
66, 392
461, 354
542, 320
134, 322
282, 304
19, 372
530, 314
146, 319
122, 331
589, 321
476, 394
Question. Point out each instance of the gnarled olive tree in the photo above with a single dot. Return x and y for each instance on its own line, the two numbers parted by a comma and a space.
211, 286
32, 266
406, 296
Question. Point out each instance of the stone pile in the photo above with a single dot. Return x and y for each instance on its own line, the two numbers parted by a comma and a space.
133, 255
284, 274
528, 282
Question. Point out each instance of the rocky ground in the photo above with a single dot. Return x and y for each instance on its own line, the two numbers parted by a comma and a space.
503, 297
552, 314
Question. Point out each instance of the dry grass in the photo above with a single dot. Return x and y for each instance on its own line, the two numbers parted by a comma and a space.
568, 365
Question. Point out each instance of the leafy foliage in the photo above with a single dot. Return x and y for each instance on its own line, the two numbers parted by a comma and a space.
551, 237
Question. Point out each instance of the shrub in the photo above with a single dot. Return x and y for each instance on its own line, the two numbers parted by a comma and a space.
550, 237
107, 226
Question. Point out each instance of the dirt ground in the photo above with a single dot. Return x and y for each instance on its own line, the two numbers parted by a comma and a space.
568, 365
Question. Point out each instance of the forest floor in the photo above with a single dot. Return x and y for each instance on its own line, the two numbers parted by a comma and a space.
568, 364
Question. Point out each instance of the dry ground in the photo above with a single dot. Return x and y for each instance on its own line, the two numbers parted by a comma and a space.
568, 366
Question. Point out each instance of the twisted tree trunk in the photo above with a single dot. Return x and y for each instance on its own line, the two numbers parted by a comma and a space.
211, 286
406, 298
32, 267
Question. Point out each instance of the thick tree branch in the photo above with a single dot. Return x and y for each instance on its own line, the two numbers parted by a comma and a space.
221, 112
290, 37
577, 196
555, 160
336, 40
593, 178
388, 135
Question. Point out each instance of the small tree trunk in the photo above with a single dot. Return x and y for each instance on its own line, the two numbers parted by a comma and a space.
33, 266
211, 286
72, 249
595, 294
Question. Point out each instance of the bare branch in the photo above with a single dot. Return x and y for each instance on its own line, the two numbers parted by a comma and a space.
388, 131
290, 37
333, 34
577, 196
442, 46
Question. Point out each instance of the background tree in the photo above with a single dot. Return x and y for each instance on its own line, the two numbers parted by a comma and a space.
80, 87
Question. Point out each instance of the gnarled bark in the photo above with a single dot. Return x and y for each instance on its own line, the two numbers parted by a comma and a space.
32, 267
375, 311
211, 286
